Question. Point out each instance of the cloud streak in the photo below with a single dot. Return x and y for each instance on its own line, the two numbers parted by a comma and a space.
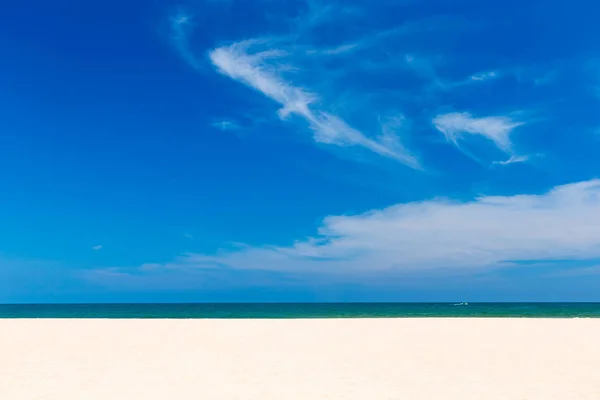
340, 84
437, 235
484, 76
181, 27
225, 125
454, 126
513, 160
254, 69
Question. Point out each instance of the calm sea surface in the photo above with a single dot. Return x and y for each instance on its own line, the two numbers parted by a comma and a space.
308, 310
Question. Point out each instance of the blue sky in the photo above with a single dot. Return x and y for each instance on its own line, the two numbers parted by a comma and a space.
299, 151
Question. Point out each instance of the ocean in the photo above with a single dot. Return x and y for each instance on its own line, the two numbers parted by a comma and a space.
303, 310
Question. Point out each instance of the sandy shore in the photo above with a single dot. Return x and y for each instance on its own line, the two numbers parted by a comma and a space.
301, 359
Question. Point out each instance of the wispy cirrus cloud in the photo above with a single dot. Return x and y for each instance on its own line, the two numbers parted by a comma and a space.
182, 25
341, 85
433, 235
226, 125
98, 247
454, 126
282, 67
254, 69
483, 76
513, 160
257, 65
333, 51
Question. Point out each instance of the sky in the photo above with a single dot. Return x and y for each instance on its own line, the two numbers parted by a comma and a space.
299, 151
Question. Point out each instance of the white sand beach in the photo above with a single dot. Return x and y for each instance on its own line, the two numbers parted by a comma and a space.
366, 359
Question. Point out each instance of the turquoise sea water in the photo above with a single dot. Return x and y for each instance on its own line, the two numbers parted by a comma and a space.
308, 310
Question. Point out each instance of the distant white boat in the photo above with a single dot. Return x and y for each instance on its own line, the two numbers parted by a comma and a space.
462, 304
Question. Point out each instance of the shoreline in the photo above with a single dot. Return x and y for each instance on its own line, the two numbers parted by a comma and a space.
302, 310
294, 319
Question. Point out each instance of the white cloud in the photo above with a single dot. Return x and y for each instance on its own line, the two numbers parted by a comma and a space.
225, 125
496, 128
254, 71
483, 76
258, 71
513, 160
332, 51
181, 26
439, 234
297, 72
98, 247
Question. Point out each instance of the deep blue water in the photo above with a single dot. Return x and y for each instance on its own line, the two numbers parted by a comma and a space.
308, 310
